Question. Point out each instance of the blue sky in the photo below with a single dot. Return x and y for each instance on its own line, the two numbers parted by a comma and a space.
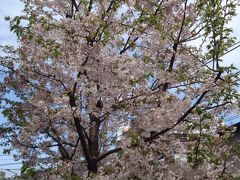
234, 57
8, 8
14, 7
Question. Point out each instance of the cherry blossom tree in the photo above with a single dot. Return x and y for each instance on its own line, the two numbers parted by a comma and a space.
121, 89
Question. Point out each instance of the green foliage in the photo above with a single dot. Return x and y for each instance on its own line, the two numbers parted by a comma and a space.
16, 27
216, 16
134, 136
108, 170
28, 171
102, 29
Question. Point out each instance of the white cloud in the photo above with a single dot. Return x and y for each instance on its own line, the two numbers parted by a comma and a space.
234, 56
8, 8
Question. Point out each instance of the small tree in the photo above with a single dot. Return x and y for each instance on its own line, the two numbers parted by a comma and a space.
107, 88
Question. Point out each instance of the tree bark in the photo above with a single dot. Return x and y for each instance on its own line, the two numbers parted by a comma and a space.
92, 167
93, 143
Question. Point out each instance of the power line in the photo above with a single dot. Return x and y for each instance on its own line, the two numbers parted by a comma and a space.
12, 171
9, 164
231, 49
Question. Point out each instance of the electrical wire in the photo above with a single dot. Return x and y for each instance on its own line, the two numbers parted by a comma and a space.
8, 164
232, 48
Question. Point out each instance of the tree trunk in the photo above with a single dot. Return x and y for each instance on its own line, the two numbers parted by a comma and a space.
92, 167
93, 144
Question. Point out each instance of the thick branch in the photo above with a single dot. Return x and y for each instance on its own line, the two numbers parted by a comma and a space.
156, 135
63, 151
80, 129
90, 6
109, 153
75, 5
181, 119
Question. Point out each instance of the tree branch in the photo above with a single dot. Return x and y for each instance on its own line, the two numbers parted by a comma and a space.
181, 119
75, 5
